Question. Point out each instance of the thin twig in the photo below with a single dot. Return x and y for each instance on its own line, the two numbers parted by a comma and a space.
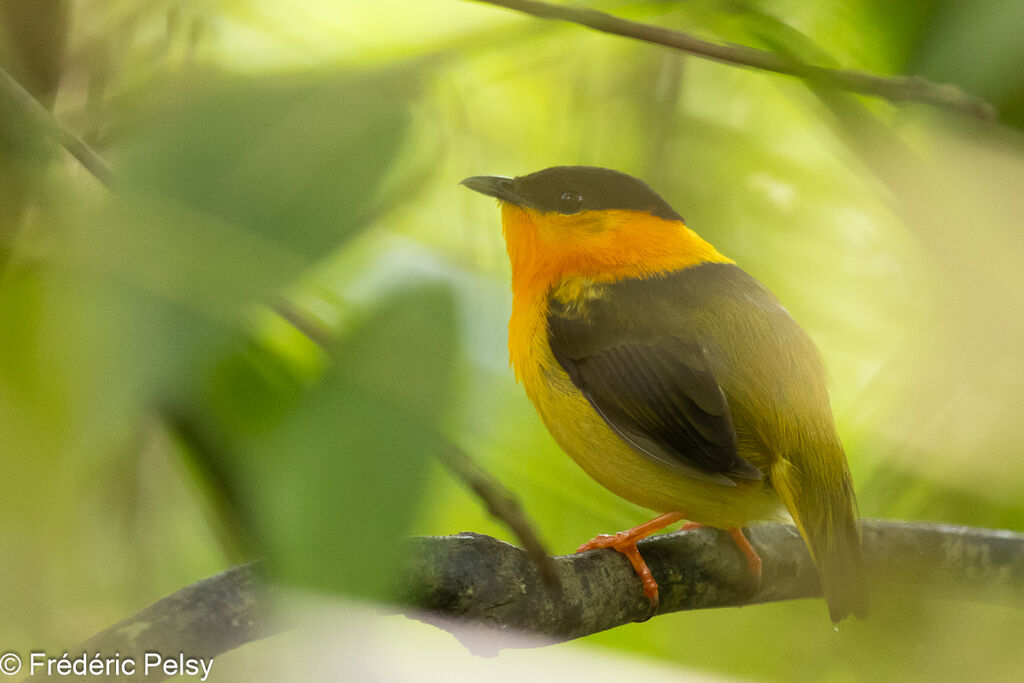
503, 505
307, 325
40, 116
895, 88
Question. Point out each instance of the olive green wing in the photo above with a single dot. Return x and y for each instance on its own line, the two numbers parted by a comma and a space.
651, 384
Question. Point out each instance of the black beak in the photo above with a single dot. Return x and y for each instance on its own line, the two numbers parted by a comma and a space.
494, 186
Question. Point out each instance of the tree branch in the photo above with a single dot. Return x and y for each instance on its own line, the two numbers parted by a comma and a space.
202, 620
480, 580
470, 579
895, 89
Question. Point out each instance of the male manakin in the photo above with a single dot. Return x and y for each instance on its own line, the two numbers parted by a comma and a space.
672, 377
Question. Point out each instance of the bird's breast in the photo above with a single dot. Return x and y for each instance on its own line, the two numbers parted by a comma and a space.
585, 436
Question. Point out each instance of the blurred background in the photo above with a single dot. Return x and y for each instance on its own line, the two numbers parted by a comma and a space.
256, 340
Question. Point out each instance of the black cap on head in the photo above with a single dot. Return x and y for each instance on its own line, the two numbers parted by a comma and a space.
571, 189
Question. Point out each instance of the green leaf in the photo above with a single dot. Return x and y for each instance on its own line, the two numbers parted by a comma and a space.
332, 480
295, 159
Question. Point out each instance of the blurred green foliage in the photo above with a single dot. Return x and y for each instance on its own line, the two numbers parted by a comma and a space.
161, 417
323, 479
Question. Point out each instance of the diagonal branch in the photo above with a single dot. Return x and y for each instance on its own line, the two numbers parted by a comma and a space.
895, 88
40, 116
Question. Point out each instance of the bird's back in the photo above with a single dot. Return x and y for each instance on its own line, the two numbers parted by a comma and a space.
772, 378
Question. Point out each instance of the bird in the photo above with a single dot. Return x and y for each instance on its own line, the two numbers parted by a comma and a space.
670, 375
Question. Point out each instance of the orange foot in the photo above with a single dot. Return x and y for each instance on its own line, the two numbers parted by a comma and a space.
625, 543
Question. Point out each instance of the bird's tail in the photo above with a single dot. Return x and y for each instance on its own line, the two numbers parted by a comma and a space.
819, 495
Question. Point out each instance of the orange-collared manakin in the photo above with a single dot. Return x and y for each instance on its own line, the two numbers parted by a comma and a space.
670, 375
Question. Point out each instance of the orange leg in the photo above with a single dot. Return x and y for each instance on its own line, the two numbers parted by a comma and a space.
625, 543
753, 559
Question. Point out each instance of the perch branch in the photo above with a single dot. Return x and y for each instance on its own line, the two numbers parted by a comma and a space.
479, 580
895, 88
469, 579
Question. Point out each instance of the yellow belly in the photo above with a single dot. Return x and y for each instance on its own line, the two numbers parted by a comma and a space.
586, 437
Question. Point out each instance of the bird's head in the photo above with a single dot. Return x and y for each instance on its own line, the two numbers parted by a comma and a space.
591, 222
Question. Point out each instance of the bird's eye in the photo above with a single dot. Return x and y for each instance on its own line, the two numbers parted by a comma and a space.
570, 202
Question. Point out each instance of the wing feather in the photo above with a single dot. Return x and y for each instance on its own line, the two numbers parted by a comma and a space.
656, 389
